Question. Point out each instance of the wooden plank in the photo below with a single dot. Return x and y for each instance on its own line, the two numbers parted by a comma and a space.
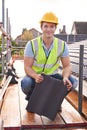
5, 85
72, 97
10, 113
28, 120
76, 128
56, 124
70, 115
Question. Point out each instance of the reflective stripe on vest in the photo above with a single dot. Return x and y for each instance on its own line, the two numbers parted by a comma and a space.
42, 64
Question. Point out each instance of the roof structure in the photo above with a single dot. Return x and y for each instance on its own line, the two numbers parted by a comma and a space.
79, 28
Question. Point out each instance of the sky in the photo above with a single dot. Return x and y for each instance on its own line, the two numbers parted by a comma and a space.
27, 13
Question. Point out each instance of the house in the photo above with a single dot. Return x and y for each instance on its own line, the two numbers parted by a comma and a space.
26, 35
79, 28
78, 33
34, 32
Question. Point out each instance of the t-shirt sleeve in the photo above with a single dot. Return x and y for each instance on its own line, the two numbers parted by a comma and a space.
28, 50
66, 51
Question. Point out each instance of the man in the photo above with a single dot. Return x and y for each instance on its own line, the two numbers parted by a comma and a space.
43, 55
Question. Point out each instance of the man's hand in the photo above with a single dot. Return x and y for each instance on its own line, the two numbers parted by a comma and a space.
39, 78
67, 83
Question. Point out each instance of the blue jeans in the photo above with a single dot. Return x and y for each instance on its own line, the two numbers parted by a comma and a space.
28, 83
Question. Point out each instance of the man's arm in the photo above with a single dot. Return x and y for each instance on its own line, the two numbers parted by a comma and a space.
66, 66
28, 63
66, 71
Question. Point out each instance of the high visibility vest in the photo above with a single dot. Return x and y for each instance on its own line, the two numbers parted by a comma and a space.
48, 65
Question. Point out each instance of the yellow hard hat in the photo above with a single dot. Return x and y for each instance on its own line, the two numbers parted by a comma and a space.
49, 17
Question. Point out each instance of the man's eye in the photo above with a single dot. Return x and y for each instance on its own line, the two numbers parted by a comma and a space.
45, 26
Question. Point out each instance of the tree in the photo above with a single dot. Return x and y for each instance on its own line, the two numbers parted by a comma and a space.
26, 35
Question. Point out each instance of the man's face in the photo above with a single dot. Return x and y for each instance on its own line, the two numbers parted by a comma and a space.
48, 29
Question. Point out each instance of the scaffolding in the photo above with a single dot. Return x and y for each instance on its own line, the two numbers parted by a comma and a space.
5, 49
